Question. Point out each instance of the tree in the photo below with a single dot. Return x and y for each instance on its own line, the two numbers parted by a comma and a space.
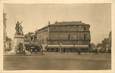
8, 44
92, 47
20, 48
105, 44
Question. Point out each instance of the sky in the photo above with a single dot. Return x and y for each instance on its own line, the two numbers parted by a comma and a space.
36, 16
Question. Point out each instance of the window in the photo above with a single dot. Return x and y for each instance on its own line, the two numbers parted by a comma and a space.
68, 36
85, 28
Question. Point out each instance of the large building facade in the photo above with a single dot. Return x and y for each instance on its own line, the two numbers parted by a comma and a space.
65, 36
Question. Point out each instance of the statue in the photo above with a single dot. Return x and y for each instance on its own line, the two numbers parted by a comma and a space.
19, 28
19, 39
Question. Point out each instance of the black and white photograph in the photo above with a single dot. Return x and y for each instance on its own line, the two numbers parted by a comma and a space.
59, 36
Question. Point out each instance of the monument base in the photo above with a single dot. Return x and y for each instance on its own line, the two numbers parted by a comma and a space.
18, 39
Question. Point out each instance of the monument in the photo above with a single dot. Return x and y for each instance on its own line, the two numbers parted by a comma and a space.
19, 38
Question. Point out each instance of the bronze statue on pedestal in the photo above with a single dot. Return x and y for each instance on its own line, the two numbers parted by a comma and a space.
19, 28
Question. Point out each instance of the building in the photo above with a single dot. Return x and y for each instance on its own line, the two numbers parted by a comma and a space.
110, 41
105, 45
65, 36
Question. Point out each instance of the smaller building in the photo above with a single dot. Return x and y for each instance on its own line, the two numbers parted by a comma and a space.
110, 41
105, 45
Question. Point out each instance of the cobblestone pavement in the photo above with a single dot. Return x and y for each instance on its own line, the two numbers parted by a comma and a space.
58, 61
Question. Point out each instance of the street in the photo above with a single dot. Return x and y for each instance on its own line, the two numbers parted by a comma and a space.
58, 61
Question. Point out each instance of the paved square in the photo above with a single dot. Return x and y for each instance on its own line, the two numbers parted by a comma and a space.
58, 61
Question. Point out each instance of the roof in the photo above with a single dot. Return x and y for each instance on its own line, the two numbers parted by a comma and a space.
41, 28
70, 23
64, 23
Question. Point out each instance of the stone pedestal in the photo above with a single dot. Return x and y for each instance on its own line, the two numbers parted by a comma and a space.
17, 40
